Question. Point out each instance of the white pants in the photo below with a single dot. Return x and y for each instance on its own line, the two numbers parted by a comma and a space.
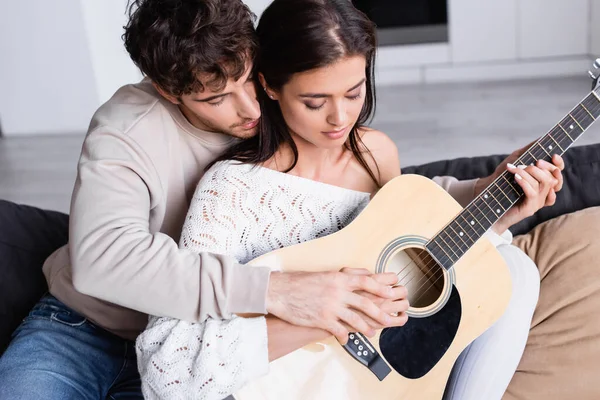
486, 367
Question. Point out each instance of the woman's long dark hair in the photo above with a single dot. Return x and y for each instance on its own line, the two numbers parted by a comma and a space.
300, 35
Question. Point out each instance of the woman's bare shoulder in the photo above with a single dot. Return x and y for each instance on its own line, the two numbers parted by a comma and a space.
384, 154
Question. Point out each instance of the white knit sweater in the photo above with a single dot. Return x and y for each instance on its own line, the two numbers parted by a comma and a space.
241, 211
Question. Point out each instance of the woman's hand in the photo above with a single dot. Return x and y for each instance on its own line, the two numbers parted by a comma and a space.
540, 183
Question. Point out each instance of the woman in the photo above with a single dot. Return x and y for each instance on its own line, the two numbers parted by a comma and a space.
310, 170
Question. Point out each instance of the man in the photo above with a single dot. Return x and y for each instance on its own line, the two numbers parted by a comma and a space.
145, 151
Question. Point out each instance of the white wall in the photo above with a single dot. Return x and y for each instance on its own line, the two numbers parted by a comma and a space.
502, 39
257, 6
46, 77
595, 28
104, 21
553, 28
481, 32
60, 61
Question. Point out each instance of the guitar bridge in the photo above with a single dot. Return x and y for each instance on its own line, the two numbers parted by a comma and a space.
363, 351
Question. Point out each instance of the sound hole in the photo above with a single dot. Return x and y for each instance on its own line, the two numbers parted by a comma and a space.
422, 276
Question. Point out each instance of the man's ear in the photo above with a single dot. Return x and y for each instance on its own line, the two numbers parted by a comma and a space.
271, 93
166, 95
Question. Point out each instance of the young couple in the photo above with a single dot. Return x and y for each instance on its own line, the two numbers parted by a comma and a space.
305, 166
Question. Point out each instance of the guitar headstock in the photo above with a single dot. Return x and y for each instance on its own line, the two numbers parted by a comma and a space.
595, 75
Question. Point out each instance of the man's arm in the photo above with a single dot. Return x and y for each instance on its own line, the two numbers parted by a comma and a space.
116, 258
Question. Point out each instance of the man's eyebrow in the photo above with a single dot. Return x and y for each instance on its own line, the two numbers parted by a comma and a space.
211, 98
321, 95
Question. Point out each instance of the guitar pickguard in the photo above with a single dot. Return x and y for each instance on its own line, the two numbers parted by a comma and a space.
415, 348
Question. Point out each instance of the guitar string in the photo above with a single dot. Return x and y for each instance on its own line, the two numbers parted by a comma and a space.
575, 116
505, 184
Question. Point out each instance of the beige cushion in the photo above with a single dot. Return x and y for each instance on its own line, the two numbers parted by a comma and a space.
562, 357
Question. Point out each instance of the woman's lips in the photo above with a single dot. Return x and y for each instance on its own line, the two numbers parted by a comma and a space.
336, 134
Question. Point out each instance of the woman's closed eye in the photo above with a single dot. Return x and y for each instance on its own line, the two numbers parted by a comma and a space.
315, 107
355, 96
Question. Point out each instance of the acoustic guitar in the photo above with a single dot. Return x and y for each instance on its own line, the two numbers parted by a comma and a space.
458, 283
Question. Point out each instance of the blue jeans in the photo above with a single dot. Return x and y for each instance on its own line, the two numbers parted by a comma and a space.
57, 354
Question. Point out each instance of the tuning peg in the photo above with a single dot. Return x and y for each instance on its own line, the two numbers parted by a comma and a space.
595, 73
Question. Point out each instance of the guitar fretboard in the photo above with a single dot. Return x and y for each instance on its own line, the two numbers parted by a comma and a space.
452, 242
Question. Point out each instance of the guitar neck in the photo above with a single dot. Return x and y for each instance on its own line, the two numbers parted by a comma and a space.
452, 242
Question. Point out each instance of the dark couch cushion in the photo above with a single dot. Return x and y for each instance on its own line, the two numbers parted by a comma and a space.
28, 236
581, 176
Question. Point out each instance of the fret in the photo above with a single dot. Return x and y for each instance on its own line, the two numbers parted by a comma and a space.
461, 232
550, 144
452, 242
498, 210
475, 225
460, 237
540, 152
528, 159
588, 111
513, 193
443, 252
484, 200
487, 221
485, 197
466, 231
497, 202
460, 250
449, 247
581, 127
592, 104
510, 202
566, 133
573, 127
534, 152
583, 117
509, 183
478, 224
542, 147
434, 251
554, 140
482, 221
439, 254
577, 122
562, 137
484, 215
470, 233
593, 97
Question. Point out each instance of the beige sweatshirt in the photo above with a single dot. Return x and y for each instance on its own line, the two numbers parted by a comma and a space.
139, 166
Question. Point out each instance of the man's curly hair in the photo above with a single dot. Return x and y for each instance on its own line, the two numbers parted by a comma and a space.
172, 41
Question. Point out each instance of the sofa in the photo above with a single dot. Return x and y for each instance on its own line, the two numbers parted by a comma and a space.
562, 357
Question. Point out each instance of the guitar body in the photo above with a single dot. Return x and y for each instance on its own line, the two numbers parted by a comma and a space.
389, 235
